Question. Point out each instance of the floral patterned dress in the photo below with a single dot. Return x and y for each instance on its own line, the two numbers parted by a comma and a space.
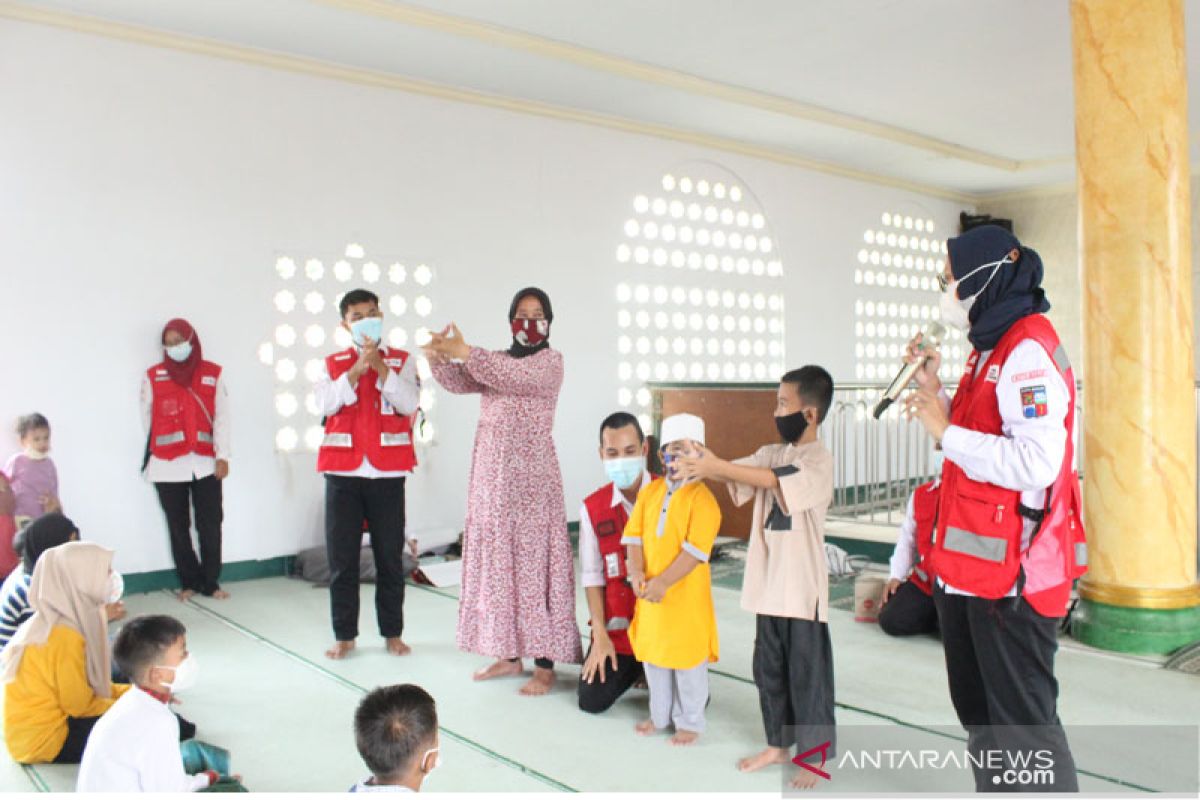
518, 581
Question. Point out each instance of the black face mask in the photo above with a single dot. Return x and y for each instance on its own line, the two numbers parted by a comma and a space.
792, 426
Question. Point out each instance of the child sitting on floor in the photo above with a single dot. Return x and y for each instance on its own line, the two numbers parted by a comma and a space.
56, 669
34, 539
396, 730
135, 745
669, 537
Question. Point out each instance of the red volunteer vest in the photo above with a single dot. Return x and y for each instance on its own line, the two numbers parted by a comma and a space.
608, 521
181, 420
977, 546
370, 428
925, 507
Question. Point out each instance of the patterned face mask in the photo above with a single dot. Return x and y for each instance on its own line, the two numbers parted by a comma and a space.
530, 332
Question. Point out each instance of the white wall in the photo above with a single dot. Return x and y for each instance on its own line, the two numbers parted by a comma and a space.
138, 184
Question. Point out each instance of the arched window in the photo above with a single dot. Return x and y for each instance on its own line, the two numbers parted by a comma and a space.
698, 289
306, 330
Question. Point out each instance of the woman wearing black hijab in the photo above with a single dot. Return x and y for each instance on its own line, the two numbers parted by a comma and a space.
518, 582
48, 530
1009, 538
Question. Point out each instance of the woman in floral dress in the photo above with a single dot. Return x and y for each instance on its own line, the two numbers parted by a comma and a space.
518, 582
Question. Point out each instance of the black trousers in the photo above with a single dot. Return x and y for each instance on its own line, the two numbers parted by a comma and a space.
793, 669
597, 697
78, 731
1000, 665
198, 575
380, 501
908, 612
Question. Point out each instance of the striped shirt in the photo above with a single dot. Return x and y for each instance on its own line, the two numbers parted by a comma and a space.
14, 603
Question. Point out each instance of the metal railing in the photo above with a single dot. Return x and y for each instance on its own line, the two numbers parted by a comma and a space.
878, 463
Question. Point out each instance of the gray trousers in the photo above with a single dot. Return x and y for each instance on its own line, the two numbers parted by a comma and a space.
678, 696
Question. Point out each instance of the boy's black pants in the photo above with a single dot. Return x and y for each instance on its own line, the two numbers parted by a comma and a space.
379, 501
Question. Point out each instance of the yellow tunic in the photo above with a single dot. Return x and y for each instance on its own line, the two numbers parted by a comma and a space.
51, 685
681, 631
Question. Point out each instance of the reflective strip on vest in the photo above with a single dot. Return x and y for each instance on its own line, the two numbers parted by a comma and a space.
1081, 554
617, 624
1061, 360
201, 436
920, 573
169, 438
337, 440
989, 548
393, 439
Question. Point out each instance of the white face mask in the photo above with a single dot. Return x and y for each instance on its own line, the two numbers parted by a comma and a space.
956, 311
186, 674
179, 352
116, 587
36, 455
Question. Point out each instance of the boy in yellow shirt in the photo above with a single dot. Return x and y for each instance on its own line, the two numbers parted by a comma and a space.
669, 536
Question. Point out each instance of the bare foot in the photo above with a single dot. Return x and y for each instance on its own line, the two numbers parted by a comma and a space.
684, 738
221, 594
499, 669
645, 727
541, 683
772, 755
640, 683
397, 647
184, 595
339, 650
803, 779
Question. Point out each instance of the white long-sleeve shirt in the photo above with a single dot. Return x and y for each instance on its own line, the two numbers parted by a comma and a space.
189, 465
135, 748
401, 392
591, 565
904, 555
1028, 456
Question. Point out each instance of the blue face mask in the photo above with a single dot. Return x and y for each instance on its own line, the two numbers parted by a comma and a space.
367, 328
624, 472
179, 352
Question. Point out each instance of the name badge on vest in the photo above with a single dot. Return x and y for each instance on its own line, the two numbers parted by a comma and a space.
612, 565
993, 373
395, 363
208, 380
342, 357
606, 528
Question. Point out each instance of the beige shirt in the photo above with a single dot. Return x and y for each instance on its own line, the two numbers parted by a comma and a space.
786, 574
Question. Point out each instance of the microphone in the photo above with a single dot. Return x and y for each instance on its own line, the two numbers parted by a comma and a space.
931, 338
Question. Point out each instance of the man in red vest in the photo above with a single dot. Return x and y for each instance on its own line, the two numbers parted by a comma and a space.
610, 667
1009, 539
368, 396
908, 608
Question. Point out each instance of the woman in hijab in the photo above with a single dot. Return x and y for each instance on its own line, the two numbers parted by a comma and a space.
518, 583
48, 530
56, 669
185, 410
1009, 539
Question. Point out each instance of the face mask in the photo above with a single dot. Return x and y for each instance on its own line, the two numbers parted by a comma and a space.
791, 426
956, 310
116, 587
437, 762
366, 328
530, 332
36, 455
955, 313
185, 675
179, 352
624, 472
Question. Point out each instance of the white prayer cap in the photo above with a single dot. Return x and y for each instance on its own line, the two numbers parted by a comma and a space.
682, 426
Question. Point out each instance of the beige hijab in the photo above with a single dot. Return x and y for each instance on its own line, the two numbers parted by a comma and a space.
69, 587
